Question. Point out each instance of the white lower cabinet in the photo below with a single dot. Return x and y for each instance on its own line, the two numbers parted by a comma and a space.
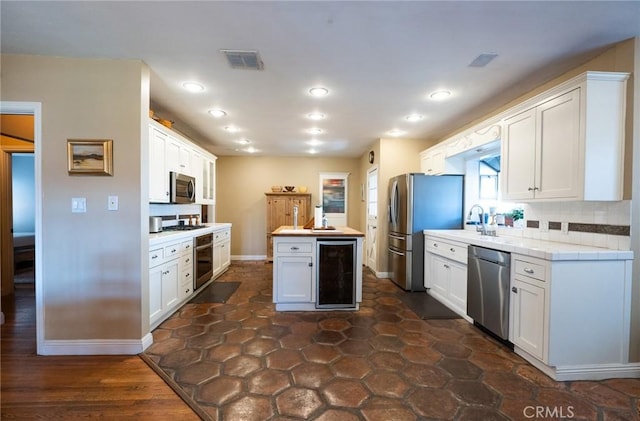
570, 318
170, 277
294, 272
221, 251
296, 279
527, 316
445, 273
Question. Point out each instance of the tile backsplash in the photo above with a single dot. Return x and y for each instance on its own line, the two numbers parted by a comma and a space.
599, 224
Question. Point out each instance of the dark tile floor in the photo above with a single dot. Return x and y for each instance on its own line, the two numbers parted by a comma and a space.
242, 360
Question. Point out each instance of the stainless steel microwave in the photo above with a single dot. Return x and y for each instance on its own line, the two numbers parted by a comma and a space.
182, 188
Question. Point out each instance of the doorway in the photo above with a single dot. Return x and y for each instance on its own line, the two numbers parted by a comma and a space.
21, 134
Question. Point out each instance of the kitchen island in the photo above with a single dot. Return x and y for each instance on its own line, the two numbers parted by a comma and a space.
317, 270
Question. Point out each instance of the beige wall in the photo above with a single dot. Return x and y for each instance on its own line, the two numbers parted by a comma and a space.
397, 156
242, 182
94, 266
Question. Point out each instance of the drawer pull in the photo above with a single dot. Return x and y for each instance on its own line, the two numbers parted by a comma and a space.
173, 250
187, 260
310, 264
446, 266
155, 256
529, 270
188, 246
514, 290
452, 250
435, 245
295, 248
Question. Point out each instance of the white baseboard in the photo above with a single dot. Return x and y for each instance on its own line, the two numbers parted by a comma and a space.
249, 257
96, 346
583, 372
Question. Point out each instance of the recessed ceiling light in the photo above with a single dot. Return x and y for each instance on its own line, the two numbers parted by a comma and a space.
396, 132
314, 142
316, 116
193, 87
251, 149
231, 129
312, 151
315, 130
217, 113
244, 141
414, 117
439, 95
318, 91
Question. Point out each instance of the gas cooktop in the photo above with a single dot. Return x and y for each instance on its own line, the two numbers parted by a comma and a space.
183, 227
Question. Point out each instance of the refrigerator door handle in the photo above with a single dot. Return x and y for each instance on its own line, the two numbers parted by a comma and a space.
393, 206
396, 252
395, 237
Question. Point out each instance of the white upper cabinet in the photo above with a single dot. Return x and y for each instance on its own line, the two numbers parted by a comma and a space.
168, 152
158, 174
567, 143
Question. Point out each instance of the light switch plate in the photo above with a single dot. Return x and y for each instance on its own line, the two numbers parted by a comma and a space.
564, 227
112, 203
78, 204
544, 226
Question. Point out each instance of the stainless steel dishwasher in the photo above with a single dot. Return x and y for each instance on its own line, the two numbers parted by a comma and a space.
488, 289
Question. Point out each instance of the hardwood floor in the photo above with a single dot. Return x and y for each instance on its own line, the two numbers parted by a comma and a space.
74, 387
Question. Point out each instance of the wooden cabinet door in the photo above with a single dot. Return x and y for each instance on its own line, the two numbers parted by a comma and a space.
277, 211
519, 156
527, 317
558, 152
303, 209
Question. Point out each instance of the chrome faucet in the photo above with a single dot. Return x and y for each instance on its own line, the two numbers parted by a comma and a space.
295, 217
482, 229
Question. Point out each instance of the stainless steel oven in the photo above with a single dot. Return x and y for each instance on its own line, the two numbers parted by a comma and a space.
182, 188
204, 260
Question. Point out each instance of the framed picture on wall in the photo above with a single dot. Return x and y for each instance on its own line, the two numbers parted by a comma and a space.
90, 157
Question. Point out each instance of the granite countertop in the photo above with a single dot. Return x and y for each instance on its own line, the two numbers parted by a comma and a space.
178, 235
288, 231
548, 250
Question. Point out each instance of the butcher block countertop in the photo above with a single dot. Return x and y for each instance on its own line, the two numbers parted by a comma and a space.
288, 231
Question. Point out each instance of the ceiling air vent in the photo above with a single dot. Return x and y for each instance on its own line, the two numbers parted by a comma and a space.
243, 59
482, 60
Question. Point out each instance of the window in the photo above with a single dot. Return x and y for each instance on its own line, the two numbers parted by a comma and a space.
489, 169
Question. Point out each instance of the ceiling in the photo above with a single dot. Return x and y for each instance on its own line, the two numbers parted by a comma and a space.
380, 60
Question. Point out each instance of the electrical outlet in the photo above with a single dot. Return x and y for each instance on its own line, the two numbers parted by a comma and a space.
112, 203
544, 226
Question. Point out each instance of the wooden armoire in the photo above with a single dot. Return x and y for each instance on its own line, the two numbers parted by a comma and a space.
280, 212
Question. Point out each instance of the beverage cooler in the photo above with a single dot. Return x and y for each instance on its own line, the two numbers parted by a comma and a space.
336, 274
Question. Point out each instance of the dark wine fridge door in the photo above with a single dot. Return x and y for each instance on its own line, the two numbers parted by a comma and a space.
336, 274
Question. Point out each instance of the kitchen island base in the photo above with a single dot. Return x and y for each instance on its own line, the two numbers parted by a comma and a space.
317, 271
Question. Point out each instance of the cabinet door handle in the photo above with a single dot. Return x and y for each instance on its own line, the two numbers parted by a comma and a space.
155, 256
310, 264
435, 245
529, 271
446, 266
452, 250
514, 290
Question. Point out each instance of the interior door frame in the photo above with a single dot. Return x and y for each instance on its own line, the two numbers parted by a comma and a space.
35, 109
372, 243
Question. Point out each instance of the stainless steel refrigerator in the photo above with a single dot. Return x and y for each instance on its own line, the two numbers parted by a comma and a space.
418, 202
